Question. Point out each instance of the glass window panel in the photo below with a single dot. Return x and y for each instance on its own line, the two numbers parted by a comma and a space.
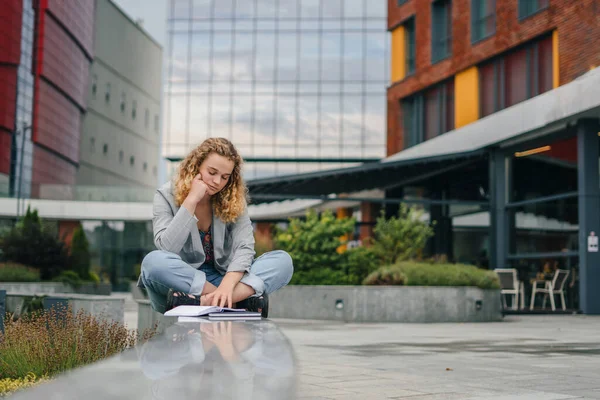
198, 114
223, 9
201, 26
268, 25
376, 56
220, 87
286, 119
332, 8
179, 58
309, 8
353, 8
244, 9
287, 65
288, 26
220, 115
243, 56
266, 9
377, 9
180, 9
309, 25
374, 87
352, 119
449, 109
331, 88
432, 113
545, 227
307, 113
515, 65
288, 8
246, 26
350, 88
544, 71
201, 9
242, 119
375, 25
353, 56
375, 118
308, 88
286, 89
242, 88
329, 26
331, 119
221, 26
410, 46
331, 50
309, 50
177, 111
222, 68
264, 117
487, 91
265, 88
179, 26
265, 56
200, 57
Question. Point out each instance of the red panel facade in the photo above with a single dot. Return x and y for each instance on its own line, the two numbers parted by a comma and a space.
77, 17
59, 122
575, 21
64, 63
63, 51
11, 16
48, 168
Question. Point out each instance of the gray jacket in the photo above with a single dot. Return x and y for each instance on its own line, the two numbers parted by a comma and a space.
176, 231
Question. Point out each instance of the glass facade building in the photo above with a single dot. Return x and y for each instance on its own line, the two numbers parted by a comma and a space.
288, 81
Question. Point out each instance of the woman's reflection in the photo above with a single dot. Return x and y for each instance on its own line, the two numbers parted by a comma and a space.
220, 359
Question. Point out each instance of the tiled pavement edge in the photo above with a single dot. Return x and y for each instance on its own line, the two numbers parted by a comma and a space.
523, 357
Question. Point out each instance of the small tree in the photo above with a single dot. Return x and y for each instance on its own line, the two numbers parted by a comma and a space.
80, 259
29, 244
401, 238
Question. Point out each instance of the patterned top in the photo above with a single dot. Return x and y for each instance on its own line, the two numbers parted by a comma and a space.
207, 245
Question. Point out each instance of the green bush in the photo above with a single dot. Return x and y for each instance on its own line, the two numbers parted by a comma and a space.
313, 242
14, 272
80, 259
411, 273
93, 277
28, 244
401, 238
70, 278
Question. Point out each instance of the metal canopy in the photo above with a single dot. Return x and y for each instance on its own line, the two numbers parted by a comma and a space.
364, 177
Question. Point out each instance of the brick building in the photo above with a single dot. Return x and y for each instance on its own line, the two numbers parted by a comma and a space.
456, 61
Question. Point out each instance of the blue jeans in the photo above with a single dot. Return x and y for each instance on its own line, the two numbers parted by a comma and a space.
162, 270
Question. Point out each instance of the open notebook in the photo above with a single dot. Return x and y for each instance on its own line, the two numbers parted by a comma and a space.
197, 311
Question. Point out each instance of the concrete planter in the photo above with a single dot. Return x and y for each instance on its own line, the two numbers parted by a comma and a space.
103, 289
148, 318
102, 307
416, 304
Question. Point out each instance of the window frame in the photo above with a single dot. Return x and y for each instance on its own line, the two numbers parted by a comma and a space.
477, 21
529, 13
408, 49
444, 38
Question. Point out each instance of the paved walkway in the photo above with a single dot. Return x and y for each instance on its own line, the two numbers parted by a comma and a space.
533, 357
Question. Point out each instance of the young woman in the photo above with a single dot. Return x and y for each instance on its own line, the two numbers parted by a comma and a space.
205, 239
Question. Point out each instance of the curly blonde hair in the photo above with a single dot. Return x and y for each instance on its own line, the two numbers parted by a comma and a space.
230, 202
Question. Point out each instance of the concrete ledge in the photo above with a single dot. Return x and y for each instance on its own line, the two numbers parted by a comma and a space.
387, 303
103, 307
103, 289
147, 318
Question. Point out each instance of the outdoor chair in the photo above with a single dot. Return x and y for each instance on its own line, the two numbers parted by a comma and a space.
510, 285
551, 288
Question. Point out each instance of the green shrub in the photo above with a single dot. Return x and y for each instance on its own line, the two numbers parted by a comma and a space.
28, 244
411, 273
14, 272
313, 242
401, 238
93, 277
70, 278
319, 276
80, 259
53, 341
